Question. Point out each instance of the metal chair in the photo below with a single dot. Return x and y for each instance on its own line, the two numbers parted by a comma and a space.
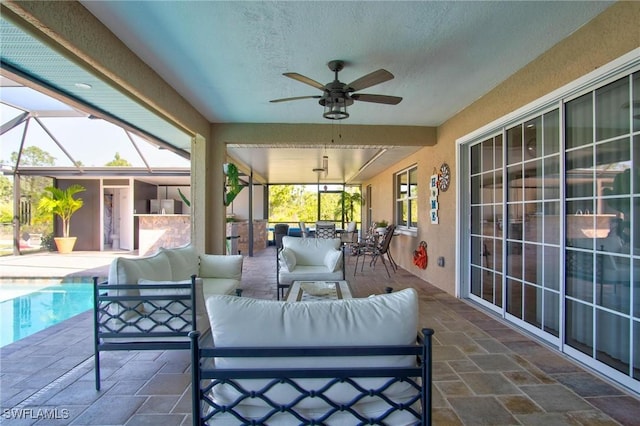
325, 229
349, 237
279, 231
303, 230
376, 249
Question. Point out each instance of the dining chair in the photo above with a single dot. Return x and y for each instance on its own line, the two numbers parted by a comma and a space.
303, 230
279, 231
325, 229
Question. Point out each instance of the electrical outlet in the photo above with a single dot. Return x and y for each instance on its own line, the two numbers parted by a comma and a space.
441, 261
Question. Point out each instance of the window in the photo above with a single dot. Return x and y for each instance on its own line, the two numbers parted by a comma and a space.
406, 190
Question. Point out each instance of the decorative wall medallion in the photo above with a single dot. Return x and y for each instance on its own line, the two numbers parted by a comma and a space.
445, 177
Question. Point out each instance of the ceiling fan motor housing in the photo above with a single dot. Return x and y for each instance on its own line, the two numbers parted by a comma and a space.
337, 96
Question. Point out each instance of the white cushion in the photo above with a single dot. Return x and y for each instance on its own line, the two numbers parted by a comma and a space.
174, 308
310, 251
389, 319
333, 260
288, 257
184, 262
129, 271
221, 266
213, 286
140, 322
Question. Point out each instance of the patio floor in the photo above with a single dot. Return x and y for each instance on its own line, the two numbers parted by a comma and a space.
486, 372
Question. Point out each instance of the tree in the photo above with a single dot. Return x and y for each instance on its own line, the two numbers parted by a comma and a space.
32, 187
6, 189
33, 156
351, 202
118, 162
287, 202
6, 200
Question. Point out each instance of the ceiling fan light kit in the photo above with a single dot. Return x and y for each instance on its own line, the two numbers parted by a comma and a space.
337, 111
337, 96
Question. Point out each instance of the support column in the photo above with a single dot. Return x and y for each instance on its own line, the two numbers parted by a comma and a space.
198, 192
208, 212
16, 214
215, 231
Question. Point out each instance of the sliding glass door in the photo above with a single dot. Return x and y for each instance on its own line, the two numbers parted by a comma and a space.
554, 225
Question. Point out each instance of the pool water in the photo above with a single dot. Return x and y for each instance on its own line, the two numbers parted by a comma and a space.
26, 309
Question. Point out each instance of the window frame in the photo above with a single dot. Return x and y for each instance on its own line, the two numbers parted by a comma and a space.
411, 200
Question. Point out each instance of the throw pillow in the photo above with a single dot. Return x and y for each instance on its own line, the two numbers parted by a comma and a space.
175, 308
332, 260
183, 260
221, 266
289, 258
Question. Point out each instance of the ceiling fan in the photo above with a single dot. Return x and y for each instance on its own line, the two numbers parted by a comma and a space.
338, 95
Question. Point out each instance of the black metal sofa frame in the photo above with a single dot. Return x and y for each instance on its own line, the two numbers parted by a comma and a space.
205, 377
151, 322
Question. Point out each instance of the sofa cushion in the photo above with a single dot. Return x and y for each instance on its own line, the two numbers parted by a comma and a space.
333, 260
243, 321
310, 251
219, 266
288, 258
389, 319
217, 286
129, 271
174, 308
160, 322
184, 262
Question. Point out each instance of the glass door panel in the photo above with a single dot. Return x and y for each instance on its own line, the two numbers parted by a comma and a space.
602, 186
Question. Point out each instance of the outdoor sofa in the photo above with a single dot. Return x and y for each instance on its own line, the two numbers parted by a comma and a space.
148, 302
309, 259
338, 362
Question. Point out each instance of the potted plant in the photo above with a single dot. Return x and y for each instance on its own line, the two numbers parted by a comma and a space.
381, 226
233, 187
60, 202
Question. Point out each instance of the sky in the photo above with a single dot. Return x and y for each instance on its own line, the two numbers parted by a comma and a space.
93, 142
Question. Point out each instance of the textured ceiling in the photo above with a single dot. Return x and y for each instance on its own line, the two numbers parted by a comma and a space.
227, 59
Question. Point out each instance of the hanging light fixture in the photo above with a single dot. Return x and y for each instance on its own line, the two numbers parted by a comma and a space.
325, 166
335, 108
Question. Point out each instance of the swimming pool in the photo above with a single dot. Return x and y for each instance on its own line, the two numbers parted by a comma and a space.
28, 308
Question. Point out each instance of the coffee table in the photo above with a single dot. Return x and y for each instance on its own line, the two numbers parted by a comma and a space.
331, 290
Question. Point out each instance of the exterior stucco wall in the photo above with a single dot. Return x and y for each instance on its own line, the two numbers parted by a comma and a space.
610, 35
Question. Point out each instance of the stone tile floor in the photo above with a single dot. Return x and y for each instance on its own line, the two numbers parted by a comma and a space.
485, 371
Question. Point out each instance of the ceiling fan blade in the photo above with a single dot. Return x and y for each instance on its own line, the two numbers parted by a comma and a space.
306, 80
295, 98
371, 79
379, 99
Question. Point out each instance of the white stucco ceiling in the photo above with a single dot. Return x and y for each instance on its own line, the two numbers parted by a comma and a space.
227, 59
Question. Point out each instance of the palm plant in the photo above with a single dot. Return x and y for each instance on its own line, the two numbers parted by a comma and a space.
234, 187
349, 200
61, 203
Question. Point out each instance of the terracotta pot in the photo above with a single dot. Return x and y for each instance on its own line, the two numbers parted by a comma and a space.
65, 244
